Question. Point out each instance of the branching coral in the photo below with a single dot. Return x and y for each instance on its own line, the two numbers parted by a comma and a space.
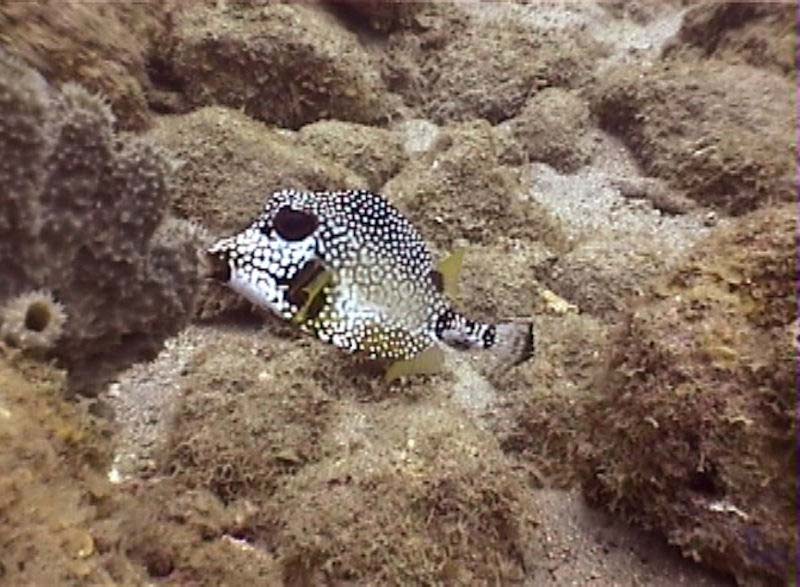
82, 216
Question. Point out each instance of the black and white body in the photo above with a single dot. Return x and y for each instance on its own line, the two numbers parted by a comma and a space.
349, 268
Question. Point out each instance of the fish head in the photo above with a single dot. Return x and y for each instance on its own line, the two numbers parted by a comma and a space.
267, 261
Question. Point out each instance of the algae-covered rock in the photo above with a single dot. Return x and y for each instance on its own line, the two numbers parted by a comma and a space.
252, 415
551, 128
547, 399
229, 163
346, 478
82, 217
498, 280
490, 71
379, 15
104, 47
51, 487
413, 494
703, 375
722, 133
601, 277
376, 154
459, 191
286, 64
761, 34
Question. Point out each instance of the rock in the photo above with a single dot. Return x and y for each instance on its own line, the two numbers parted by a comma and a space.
419, 136
229, 164
415, 491
460, 192
355, 480
375, 154
490, 71
603, 278
721, 133
760, 34
654, 191
703, 374
547, 398
378, 15
293, 412
104, 47
551, 128
286, 64
498, 280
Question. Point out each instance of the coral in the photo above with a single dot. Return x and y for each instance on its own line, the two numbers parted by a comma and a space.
374, 153
82, 209
458, 192
722, 133
32, 321
703, 374
230, 163
286, 64
552, 128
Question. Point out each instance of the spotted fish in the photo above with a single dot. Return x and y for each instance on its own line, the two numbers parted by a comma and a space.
350, 269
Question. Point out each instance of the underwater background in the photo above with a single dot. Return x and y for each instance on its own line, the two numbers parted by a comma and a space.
621, 173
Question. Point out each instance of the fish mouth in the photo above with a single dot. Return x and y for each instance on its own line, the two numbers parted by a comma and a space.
215, 266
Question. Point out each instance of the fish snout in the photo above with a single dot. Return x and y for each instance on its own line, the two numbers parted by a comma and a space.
215, 264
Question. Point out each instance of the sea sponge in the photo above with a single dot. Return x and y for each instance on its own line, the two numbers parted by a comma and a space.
80, 217
32, 321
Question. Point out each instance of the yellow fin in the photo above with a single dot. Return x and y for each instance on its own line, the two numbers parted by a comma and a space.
313, 289
450, 268
427, 362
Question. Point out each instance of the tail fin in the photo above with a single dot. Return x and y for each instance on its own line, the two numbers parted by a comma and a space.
513, 342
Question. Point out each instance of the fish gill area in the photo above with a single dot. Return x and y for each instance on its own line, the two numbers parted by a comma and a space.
623, 173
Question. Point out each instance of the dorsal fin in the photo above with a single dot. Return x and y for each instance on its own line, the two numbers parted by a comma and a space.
450, 269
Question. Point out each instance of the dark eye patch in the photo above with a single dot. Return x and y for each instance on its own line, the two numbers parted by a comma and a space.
294, 225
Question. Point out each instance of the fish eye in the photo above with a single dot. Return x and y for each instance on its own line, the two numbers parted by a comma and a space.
294, 225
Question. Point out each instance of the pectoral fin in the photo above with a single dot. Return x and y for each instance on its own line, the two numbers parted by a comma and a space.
313, 296
427, 362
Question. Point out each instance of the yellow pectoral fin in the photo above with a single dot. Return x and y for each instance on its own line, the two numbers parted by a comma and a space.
427, 362
314, 290
450, 268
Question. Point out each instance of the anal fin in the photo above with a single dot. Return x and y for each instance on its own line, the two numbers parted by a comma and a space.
427, 362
